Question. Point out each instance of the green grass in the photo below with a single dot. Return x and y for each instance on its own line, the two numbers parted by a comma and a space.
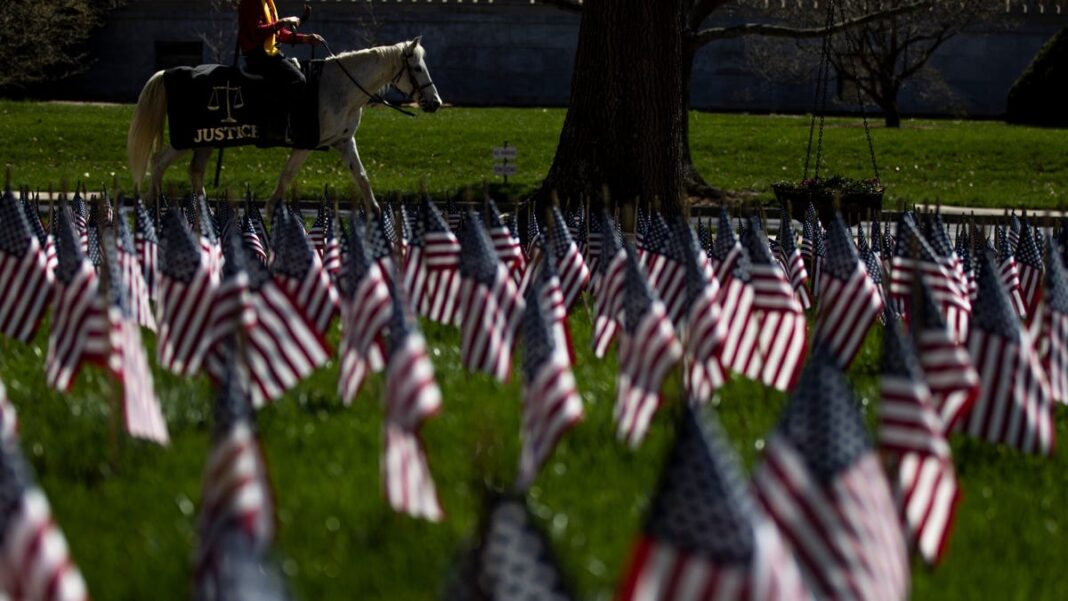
972, 163
131, 523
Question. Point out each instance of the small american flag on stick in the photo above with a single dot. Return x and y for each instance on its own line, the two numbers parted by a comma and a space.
187, 288
132, 275
1029, 264
792, 260
25, 280
948, 368
431, 274
664, 262
1015, 405
705, 537
570, 266
1052, 322
36, 562
726, 248
299, 271
607, 284
551, 403
412, 396
489, 304
914, 436
851, 301
704, 329
648, 349
507, 246
824, 486
365, 312
147, 246
1010, 274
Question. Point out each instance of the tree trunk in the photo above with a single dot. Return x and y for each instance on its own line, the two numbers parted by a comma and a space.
892, 115
625, 128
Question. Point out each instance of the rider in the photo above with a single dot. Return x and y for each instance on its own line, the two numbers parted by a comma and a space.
259, 33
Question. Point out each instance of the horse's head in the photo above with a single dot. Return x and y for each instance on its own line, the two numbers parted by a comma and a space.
416, 81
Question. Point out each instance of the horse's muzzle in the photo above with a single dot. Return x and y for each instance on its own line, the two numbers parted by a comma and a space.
430, 106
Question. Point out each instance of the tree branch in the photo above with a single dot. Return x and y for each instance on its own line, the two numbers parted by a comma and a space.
712, 34
573, 6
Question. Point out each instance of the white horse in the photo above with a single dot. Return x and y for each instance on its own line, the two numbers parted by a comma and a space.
341, 105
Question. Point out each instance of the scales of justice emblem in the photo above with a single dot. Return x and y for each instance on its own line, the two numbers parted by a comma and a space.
231, 128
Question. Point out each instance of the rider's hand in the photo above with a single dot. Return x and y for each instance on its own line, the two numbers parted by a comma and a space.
315, 39
294, 21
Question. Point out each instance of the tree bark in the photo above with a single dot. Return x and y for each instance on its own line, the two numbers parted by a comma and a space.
626, 124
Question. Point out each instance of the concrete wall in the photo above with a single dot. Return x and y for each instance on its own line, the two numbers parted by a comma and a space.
512, 52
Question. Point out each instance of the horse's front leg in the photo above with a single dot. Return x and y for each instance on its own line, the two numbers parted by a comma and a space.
159, 163
349, 154
296, 159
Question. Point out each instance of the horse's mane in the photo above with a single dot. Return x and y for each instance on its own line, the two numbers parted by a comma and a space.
391, 51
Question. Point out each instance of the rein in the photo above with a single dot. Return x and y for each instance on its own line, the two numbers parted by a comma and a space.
373, 97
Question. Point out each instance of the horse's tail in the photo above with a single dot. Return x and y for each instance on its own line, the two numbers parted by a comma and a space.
146, 128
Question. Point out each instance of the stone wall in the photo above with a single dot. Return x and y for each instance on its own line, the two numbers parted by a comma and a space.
513, 52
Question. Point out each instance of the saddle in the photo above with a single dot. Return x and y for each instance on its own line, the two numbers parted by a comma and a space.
215, 106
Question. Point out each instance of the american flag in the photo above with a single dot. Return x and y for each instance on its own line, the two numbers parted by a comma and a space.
967, 265
551, 403
570, 266
126, 356
253, 241
204, 222
1012, 236
1015, 404
914, 255
431, 275
533, 234
545, 285
507, 246
948, 368
851, 301
80, 327
777, 316
380, 244
1029, 264
51, 260
735, 300
80, 215
594, 240
231, 313
147, 246
93, 237
33, 219
726, 248
1052, 321
317, 233
824, 486
607, 283
25, 281
412, 396
705, 537
252, 213
1010, 274
514, 560
299, 271
133, 282
36, 558
641, 230
791, 259
873, 266
664, 261
876, 233
958, 313
914, 436
489, 304
704, 329
331, 249
704, 236
647, 349
187, 288
237, 513
365, 312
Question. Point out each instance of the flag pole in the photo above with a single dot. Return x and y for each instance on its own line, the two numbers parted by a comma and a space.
114, 402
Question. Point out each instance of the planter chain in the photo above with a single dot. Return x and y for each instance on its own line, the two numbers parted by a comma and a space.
819, 103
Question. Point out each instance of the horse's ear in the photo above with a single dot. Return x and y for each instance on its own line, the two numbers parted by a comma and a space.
415, 42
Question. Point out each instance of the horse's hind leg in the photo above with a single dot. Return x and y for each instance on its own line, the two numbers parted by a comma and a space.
197, 166
349, 154
160, 161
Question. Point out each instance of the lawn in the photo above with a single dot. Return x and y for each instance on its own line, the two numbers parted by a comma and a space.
971, 163
130, 517
129, 511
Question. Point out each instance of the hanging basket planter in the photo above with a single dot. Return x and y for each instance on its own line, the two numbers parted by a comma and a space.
855, 198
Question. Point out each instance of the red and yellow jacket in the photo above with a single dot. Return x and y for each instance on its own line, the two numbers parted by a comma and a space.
259, 29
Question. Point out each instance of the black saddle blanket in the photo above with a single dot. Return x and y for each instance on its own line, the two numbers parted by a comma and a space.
217, 105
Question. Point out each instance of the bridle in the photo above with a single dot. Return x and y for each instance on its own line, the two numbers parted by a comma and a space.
406, 67
396, 78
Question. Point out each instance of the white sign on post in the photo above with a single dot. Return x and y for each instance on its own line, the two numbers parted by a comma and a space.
504, 154
504, 169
